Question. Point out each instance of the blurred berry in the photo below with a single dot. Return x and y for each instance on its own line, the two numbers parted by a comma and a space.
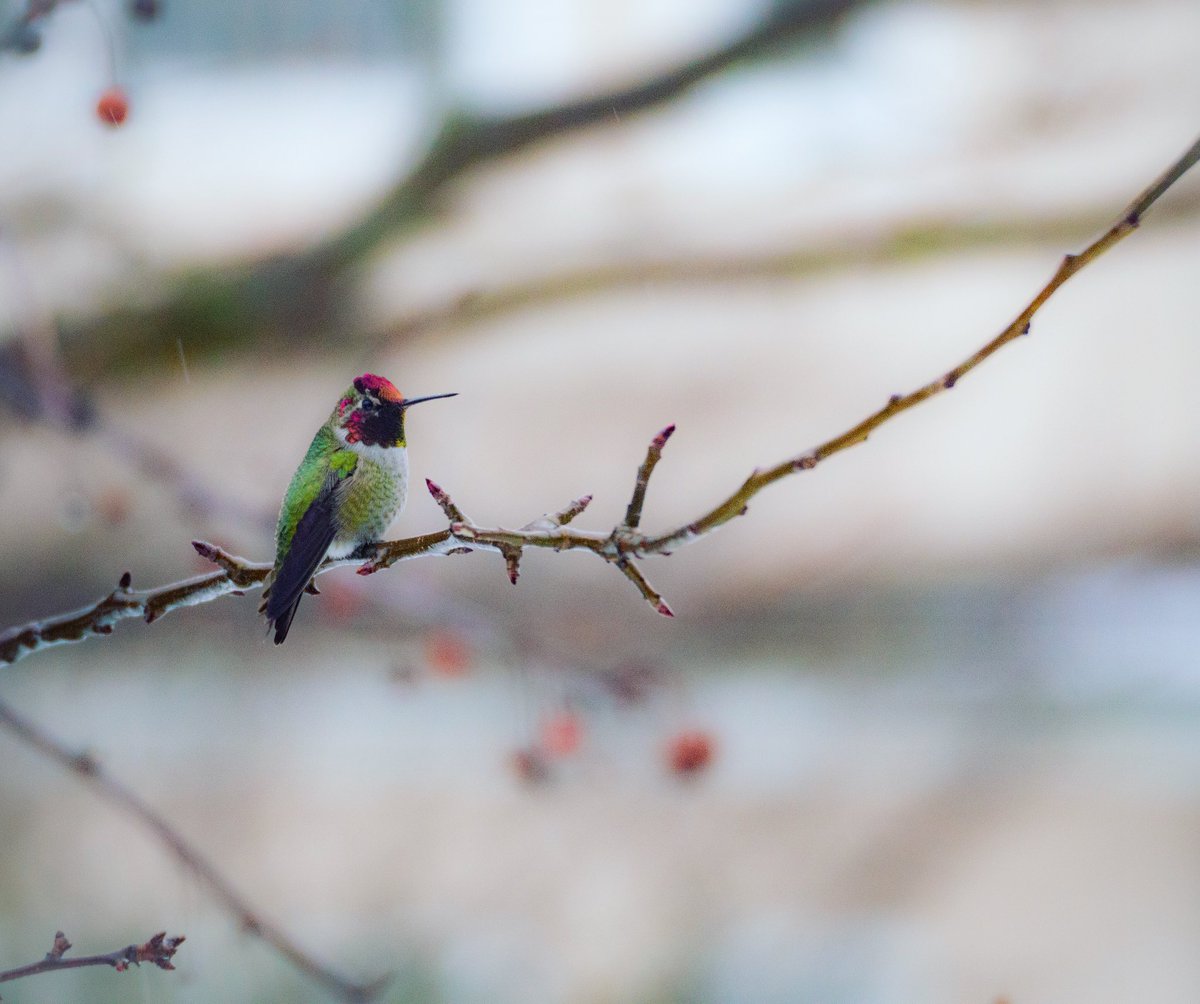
562, 733
113, 107
114, 506
689, 752
447, 653
145, 10
530, 766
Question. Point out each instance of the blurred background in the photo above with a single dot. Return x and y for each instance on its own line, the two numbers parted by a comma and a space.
926, 724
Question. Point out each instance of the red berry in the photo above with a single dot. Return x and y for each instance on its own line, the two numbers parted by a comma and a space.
447, 653
690, 752
113, 107
562, 733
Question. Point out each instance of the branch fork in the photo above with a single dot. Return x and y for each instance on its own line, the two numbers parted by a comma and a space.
620, 547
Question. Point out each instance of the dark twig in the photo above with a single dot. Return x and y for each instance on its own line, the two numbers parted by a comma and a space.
649, 593
622, 545
159, 950
633, 514
86, 767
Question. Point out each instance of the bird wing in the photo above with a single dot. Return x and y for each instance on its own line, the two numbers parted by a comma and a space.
309, 544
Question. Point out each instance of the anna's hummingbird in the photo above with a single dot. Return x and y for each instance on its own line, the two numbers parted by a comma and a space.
348, 488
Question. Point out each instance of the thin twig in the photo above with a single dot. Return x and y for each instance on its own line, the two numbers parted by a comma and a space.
158, 949
633, 514
571, 510
451, 511
621, 546
735, 505
86, 767
649, 593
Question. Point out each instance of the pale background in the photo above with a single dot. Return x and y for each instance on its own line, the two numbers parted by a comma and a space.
951, 675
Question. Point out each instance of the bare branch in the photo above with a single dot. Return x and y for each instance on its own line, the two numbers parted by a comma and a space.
573, 509
735, 505
121, 604
159, 949
633, 514
466, 142
620, 547
453, 513
649, 593
913, 239
86, 767
304, 292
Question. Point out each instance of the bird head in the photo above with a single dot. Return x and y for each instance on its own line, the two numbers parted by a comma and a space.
372, 411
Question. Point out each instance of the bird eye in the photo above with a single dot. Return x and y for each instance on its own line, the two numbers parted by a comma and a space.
368, 404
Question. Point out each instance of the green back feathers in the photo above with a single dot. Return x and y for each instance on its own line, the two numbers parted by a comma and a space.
325, 459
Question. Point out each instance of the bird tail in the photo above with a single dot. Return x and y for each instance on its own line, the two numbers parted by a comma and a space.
280, 620
282, 623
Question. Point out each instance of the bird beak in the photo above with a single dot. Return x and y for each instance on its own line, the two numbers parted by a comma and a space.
410, 401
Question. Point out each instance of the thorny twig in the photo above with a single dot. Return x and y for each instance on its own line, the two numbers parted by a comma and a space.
159, 949
622, 546
85, 766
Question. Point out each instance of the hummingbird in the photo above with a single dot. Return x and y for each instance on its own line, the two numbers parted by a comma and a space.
350, 485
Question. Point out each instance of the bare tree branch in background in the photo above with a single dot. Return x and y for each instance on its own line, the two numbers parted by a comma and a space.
298, 294
906, 241
621, 546
86, 767
467, 141
159, 950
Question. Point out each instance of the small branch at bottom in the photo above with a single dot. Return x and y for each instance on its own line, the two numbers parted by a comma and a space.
159, 950
88, 768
